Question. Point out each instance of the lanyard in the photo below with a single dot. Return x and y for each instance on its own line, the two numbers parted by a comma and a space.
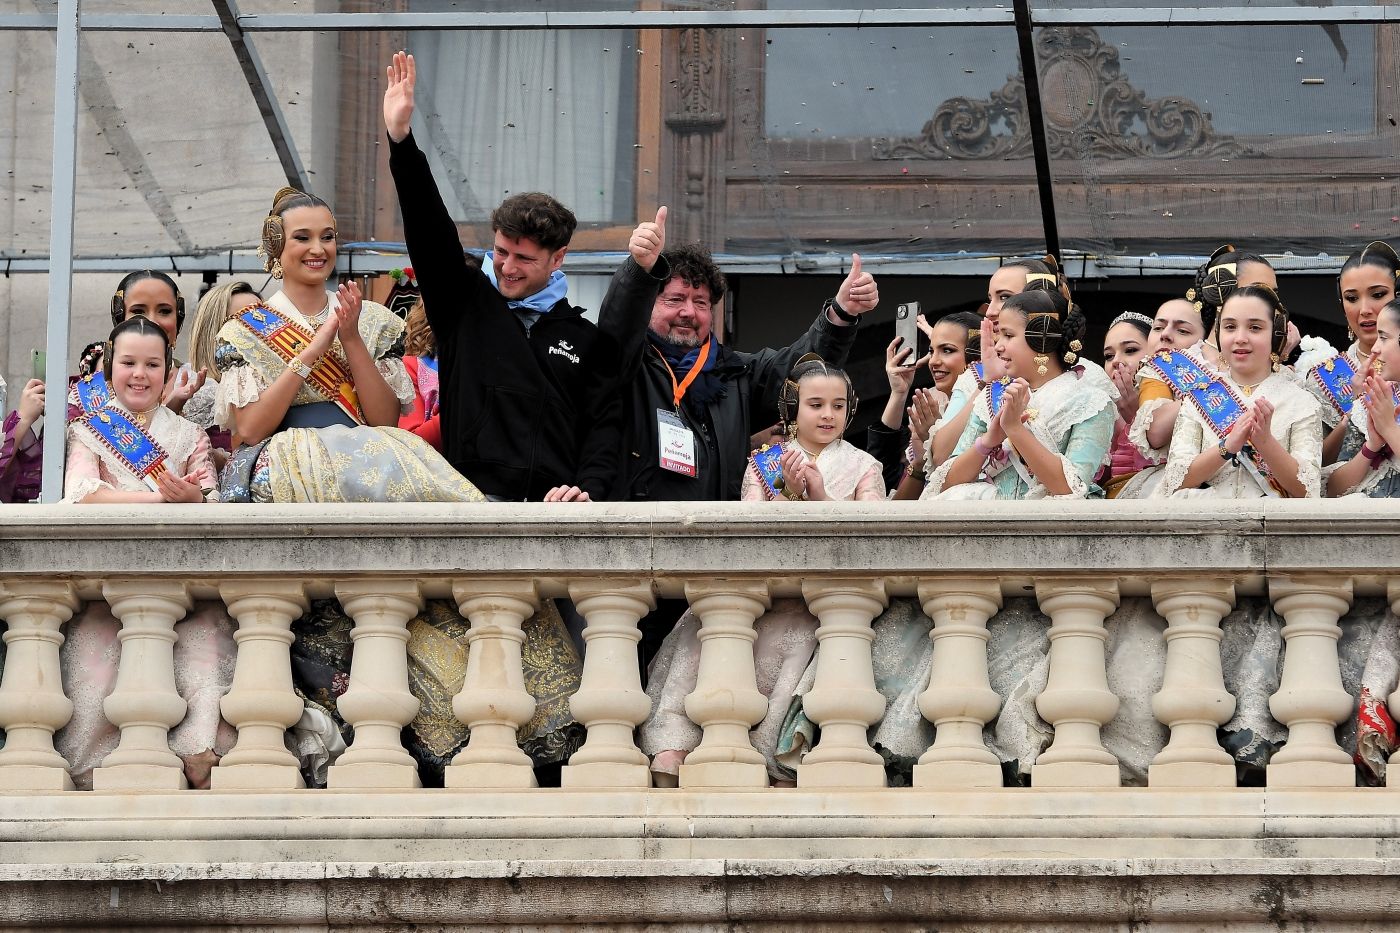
678, 389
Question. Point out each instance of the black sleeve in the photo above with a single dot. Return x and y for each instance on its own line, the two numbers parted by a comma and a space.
451, 289
626, 312
888, 446
768, 368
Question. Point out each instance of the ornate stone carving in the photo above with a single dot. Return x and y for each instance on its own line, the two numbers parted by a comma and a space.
1090, 109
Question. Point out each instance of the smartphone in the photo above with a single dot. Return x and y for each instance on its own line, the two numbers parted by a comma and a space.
40, 360
906, 325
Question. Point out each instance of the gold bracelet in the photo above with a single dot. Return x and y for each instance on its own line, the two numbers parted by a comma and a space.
297, 366
788, 494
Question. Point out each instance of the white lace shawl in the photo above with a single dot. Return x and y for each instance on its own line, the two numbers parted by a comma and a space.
1296, 424
242, 385
177, 436
1071, 398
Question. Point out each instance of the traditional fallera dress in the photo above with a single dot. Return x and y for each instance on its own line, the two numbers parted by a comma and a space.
1156, 388
1072, 414
1213, 403
786, 642
108, 449
323, 451
21, 461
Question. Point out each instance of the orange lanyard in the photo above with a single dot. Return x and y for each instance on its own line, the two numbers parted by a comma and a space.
678, 389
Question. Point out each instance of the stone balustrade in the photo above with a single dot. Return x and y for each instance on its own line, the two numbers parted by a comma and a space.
847, 561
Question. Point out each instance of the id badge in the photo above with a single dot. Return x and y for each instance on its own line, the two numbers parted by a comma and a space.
677, 444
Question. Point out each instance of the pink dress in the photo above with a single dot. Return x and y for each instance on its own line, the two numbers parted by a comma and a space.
21, 460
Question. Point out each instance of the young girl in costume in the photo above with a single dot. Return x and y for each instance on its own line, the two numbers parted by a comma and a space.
218, 306
1365, 286
1368, 464
813, 464
1249, 431
1044, 429
136, 450
1125, 347
420, 359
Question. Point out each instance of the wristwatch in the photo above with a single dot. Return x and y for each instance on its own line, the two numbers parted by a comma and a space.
297, 366
1225, 453
841, 315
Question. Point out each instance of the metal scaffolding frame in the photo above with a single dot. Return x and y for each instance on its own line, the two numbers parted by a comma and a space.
69, 22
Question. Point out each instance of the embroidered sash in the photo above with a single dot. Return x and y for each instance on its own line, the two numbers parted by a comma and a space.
330, 377
92, 392
979, 372
128, 442
1215, 400
995, 391
1335, 376
767, 467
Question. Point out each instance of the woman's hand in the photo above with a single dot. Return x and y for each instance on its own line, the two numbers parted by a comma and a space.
31, 401
173, 488
1013, 406
1380, 411
794, 476
928, 408
398, 96
1291, 338
349, 301
816, 486
898, 370
1126, 384
183, 387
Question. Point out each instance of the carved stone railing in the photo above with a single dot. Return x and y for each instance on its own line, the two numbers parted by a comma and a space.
842, 847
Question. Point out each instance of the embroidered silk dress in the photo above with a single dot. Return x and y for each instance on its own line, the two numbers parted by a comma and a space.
1296, 423
319, 454
1073, 415
21, 461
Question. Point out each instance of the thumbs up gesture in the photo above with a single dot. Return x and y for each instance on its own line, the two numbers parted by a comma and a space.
858, 293
648, 240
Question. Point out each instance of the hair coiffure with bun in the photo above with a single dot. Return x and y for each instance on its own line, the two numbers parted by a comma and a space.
274, 234
1054, 327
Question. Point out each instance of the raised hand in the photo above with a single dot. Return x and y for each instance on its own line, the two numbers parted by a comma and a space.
858, 293
1013, 405
928, 407
1291, 338
648, 240
898, 368
1240, 432
402, 75
1124, 380
1263, 411
1380, 403
174, 488
993, 366
31, 401
816, 486
184, 386
348, 302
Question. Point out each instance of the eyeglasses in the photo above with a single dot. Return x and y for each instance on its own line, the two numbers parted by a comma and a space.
676, 302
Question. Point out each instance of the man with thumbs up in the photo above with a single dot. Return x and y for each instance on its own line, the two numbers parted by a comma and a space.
690, 403
528, 406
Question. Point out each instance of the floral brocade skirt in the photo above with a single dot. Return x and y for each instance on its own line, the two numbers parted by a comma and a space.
437, 666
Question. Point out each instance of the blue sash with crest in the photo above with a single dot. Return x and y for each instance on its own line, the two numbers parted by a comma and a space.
1214, 399
980, 372
1335, 376
766, 464
129, 442
92, 392
995, 391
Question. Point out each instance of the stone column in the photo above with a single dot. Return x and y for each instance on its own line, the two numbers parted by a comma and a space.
610, 701
493, 700
1076, 700
1310, 700
843, 700
32, 704
1193, 702
726, 702
261, 704
959, 699
144, 703
378, 704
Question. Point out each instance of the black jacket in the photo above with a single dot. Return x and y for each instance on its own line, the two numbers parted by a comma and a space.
521, 412
722, 428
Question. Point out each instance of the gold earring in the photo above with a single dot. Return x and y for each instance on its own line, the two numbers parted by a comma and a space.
1351, 338
1040, 362
1274, 358
792, 431
276, 268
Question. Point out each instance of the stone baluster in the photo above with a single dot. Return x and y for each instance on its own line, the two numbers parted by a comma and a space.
493, 700
959, 699
1310, 700
1193, 702
378, 704
261, 703
144, 704
726, 702
1076, 699
32, 704
843, 700
610, 701
1392, 771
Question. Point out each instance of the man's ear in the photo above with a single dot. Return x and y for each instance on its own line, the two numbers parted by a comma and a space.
557, 259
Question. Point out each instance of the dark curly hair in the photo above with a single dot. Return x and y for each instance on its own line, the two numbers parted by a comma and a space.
972, 321
693, 265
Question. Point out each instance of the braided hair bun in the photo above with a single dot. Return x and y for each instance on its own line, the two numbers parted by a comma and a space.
1054, 327
274, 235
